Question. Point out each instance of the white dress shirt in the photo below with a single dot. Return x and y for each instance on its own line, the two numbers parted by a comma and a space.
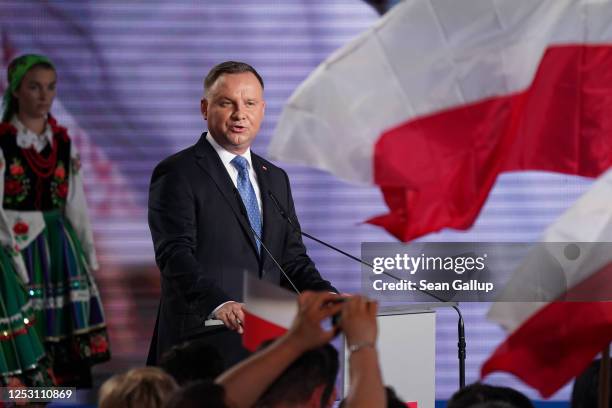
227, 157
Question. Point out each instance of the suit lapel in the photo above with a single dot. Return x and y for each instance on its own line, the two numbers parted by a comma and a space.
210, 162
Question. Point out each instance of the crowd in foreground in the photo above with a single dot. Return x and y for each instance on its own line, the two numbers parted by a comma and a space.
298, 369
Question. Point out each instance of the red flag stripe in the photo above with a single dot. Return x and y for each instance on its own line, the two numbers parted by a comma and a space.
560, 339
258, 330
437, 171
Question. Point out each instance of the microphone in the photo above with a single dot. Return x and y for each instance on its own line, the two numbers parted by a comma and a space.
258, 238
461, 345
284, 214
296, 227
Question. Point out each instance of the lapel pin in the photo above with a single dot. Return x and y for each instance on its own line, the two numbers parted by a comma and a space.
264, 168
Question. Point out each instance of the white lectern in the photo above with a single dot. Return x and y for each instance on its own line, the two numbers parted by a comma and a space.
407, 351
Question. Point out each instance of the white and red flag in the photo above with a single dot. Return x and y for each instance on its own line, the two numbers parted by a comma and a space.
440, 96
268, 313
550, 342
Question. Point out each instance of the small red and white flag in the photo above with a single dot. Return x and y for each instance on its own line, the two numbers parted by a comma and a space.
269, 311
439, 97
551, 342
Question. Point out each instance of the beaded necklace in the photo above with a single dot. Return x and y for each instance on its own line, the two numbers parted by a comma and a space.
42, 166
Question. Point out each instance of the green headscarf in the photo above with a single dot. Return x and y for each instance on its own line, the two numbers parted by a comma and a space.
16, 71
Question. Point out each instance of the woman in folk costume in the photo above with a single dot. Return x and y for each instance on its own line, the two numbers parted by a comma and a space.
45, 227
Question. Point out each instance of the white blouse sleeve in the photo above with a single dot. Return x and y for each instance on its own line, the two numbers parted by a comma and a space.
76, 208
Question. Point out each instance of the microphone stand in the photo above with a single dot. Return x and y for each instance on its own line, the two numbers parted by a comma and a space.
461, 344
258, 238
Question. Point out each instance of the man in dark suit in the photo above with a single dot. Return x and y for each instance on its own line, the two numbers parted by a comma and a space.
207, 205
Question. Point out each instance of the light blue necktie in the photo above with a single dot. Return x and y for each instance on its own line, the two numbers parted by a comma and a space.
247, 193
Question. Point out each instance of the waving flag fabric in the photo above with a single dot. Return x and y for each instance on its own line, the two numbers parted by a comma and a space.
269, 311
439, 97
549, 343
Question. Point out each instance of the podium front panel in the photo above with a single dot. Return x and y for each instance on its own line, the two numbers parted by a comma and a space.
406, 349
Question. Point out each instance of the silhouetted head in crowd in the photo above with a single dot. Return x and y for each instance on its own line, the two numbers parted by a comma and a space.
147, 387
308, 382
198, 394
483, 395
585, 393
393, 401
493, 404
191, 361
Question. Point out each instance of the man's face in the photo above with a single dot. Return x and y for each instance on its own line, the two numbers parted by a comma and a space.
234, 109
36, 92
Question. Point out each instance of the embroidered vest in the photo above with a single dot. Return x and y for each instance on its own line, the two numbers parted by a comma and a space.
35, 181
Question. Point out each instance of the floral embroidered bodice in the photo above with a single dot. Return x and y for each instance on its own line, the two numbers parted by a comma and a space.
35, 181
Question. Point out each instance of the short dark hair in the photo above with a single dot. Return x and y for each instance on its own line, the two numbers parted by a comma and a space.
191, 361
198, 394
297, 383
586, 387
493, 404
393, 401
229, 67
477, 393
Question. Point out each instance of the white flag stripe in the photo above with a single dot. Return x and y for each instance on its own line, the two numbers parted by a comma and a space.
420, 58
588, 223
269, 302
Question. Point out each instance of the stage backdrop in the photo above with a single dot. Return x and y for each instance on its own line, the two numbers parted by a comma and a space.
130, 83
